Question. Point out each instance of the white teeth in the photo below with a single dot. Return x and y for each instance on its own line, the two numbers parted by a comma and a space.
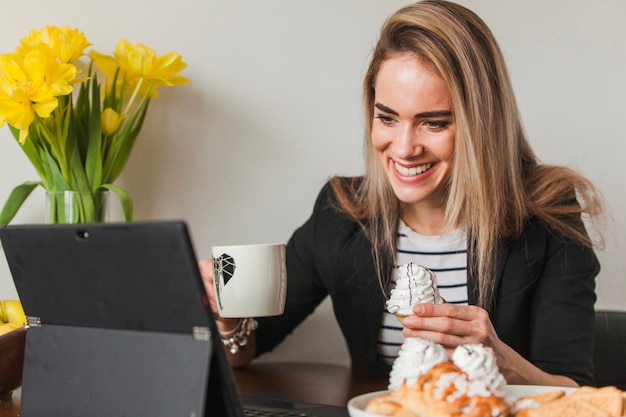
410, 172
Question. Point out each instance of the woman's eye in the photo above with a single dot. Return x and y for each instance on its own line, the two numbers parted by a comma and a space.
437, 125
385, 119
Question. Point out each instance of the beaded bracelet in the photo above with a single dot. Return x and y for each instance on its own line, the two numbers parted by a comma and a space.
237, 338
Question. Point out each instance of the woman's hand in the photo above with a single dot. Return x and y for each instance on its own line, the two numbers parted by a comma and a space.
452, 325
224, 325
206, 271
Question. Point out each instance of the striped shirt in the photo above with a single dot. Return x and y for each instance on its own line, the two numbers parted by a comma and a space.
446, 256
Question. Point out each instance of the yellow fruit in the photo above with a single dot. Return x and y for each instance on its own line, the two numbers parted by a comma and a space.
14, 312
3, 315
8, 327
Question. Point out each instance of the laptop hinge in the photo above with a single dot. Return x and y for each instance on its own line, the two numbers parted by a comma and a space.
33, 321
202, 334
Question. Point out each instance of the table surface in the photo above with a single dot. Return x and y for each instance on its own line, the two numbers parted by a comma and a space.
307, 382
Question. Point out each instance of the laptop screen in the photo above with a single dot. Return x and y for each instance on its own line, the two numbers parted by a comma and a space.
118, 322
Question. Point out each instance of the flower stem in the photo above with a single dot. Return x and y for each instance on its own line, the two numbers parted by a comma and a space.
134, 95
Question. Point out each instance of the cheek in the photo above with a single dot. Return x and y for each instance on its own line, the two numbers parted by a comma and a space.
449, 153
380, 139
446, 149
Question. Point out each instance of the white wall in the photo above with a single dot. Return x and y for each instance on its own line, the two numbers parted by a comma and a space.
274, 108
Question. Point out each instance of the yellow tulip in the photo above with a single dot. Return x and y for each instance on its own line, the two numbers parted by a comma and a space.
111, 121
30, 85
65, 43
140, 65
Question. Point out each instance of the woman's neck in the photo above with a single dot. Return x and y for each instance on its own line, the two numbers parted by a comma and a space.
424, 220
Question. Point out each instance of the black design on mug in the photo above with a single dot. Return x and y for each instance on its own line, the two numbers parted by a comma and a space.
224, 267
223, 271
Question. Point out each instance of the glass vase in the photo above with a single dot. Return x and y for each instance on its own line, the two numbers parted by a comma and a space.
77, 207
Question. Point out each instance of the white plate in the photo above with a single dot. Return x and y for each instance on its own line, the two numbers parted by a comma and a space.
356, 406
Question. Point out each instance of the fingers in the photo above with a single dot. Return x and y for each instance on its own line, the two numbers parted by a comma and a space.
448, 341
206, 271
450, 325
440, 329
206, 268
447, 310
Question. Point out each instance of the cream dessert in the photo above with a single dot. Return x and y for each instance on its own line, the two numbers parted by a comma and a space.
479, 363
415, 358
445, 390
467, 384
414, 285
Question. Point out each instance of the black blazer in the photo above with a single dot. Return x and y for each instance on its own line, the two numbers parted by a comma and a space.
543, 305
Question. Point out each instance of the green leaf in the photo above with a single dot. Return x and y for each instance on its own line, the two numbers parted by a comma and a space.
82, 109
54, 154
55, 178
93, 160
111, 99
125, 199
15, 201
78, 177
128, 138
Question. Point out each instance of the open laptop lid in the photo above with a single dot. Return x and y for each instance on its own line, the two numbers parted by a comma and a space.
119, 326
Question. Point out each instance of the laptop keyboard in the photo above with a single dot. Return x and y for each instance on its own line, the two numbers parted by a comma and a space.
249, 412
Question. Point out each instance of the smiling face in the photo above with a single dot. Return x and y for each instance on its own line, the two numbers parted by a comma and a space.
412, 131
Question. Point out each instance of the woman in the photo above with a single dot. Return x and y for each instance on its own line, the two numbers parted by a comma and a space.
451, 183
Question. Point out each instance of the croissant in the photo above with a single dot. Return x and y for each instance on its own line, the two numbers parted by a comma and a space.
387, 405
446, 391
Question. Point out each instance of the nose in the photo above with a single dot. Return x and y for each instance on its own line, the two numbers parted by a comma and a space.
408, 143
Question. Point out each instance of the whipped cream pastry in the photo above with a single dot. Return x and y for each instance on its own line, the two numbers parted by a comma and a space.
414, 285
415, 358
479, 363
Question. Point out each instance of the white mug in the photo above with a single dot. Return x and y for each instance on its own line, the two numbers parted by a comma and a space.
250, 280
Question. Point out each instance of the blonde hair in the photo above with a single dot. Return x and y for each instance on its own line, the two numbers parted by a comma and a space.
497, 182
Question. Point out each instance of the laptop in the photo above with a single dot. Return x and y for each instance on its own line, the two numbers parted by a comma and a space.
119, 326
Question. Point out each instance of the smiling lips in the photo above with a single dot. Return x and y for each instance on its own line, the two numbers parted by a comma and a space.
413, 171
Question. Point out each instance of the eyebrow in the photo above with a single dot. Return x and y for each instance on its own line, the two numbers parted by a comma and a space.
435, 113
